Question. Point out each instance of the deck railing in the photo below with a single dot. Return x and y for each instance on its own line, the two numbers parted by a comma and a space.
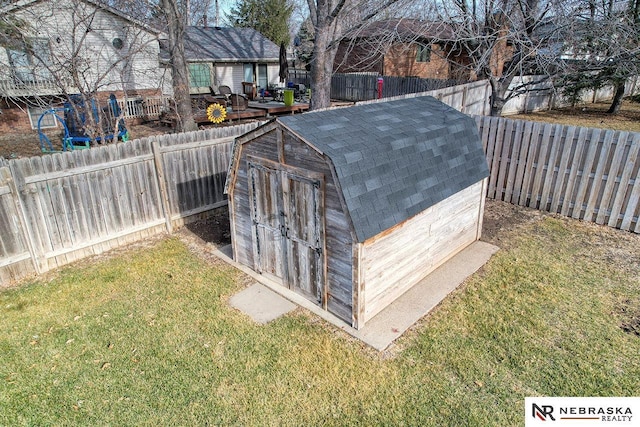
149, 107
15, 88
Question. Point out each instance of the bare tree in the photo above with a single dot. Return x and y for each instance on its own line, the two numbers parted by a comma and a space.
176, 18
499, 40
331, 20
602, 47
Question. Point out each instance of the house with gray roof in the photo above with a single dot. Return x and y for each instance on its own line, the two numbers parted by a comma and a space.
351, 207
229, 56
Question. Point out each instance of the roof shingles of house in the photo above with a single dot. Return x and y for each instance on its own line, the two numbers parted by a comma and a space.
395, 159
222, 44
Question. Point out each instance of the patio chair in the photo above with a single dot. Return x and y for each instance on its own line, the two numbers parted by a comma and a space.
249, 89
239, 102
224, 90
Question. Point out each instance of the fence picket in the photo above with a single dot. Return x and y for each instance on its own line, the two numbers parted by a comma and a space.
573, 167
495, 162
585, 177
505, 159
625, 180
563, 153
527, 180
549, 180
515, 154
616, 164
540, 168
598, 177
521, 164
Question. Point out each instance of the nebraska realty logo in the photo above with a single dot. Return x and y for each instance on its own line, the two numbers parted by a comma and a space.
579, 411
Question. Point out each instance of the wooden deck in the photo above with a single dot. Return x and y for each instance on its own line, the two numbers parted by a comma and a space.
256, 110
275, 107
249, 113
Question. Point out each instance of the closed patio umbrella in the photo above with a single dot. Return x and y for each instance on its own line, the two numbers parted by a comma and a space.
284, 66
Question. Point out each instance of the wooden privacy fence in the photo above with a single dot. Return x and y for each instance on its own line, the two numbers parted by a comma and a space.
584, 173
364, 86
470, 98
60, 208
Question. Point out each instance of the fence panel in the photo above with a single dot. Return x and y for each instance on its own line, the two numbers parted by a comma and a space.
585, 173
364, 86
63, 207
82, 202
195, 168
471, 98
15, 257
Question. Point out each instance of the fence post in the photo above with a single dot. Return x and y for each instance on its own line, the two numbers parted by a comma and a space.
162, 183
26, 235
487, 102
463, 103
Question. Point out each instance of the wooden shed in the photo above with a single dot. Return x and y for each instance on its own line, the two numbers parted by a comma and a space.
351, 207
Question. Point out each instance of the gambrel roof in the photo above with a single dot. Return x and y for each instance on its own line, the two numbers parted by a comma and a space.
394, 159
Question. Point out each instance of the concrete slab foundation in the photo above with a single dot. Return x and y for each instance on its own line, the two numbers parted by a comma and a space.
261, 303
268, 302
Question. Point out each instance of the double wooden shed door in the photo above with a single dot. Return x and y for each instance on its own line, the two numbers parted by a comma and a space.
288, 226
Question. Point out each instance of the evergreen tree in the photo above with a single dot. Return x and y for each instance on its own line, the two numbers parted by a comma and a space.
269, 17
304, 45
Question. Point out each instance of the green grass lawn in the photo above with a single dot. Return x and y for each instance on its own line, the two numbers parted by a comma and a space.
147, 338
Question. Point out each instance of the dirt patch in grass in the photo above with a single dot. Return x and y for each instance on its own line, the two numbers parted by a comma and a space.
590, 115
213, 230
503, 219
629, 312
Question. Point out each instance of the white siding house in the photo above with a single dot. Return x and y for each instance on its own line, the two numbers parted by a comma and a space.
73, 46
220, 56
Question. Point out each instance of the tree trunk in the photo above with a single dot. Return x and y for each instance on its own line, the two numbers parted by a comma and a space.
321, 71
497, 98
179, 71
617, 98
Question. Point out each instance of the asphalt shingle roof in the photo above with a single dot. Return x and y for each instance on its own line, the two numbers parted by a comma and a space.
222, 44
395, 159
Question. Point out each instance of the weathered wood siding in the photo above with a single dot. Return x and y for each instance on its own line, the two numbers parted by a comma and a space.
240, 210
337, 227
397, 259
338, 238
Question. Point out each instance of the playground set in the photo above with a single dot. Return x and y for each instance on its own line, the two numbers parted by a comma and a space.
73, 117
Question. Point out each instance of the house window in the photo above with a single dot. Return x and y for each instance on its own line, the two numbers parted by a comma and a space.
423, 53
263, 79
199, 75
48, 121
28, 62
248, 72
